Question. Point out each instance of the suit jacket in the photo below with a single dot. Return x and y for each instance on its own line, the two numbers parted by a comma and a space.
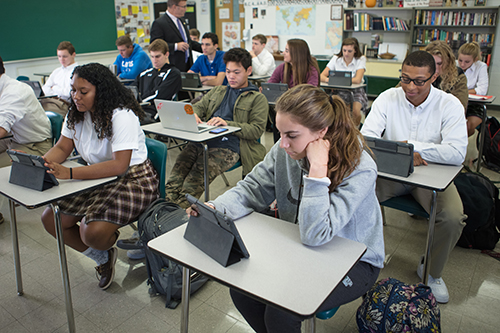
164, 28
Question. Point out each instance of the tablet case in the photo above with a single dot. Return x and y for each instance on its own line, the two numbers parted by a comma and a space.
393, 157
190, 80
209, 236
273, 91
340, 78
28, 171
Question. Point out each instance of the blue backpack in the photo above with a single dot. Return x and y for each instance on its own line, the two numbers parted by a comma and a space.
394, 306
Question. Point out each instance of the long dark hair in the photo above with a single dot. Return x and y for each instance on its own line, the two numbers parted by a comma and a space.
302, 61
109, 95
312, 108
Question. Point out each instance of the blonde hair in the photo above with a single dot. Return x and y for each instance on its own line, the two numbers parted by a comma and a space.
470, 49
449, 74
312, 108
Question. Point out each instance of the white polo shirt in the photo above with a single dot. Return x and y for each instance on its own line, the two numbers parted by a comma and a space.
59, 82
477, 77
436, 128
338, 64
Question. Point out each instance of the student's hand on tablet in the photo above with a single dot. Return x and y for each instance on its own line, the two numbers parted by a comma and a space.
193, 210
58, 170
418, 160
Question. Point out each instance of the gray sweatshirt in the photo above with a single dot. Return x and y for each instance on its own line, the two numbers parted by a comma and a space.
351, 211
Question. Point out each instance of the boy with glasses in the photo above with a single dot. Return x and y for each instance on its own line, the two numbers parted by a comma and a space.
433, 121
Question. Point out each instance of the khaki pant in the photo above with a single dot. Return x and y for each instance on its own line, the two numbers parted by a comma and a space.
449, 217
55, 105
38, 148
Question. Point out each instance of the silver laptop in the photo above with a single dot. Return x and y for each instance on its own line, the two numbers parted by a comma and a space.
340, 78
273, 91
179, 116
37, 88
190, 80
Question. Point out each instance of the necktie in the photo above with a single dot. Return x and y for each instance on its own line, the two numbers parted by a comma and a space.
183, 34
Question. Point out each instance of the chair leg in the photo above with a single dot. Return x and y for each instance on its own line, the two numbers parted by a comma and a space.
310, 325
133, 226
383, 215
224, 178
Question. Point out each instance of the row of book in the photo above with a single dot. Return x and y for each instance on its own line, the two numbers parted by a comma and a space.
366, 22
454, 38
439, 17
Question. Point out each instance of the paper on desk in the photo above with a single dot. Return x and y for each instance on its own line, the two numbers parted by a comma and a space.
479, 97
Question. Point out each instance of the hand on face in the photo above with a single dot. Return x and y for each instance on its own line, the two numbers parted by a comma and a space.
317, 154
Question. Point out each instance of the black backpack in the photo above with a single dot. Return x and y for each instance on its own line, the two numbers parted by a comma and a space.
491, 146
164, 276
482, 206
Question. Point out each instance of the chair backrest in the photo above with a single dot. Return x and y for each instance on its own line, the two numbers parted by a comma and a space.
157, 153
22, 78
56, 122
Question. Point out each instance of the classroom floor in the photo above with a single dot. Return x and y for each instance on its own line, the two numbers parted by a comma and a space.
473, 280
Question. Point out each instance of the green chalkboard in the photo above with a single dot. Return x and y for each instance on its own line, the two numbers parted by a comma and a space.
33, 28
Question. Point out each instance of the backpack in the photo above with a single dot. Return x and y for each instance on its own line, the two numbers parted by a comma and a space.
482, 206
491, 145
394, 306
164, 276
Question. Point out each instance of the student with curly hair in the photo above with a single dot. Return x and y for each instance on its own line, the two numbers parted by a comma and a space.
323, 181
103, 125
476, 72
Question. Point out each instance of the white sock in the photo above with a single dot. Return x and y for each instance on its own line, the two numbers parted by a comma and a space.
99, 256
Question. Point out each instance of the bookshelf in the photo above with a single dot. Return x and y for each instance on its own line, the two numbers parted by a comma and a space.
456, 26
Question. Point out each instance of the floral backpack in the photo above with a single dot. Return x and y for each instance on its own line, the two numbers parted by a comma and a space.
394, 306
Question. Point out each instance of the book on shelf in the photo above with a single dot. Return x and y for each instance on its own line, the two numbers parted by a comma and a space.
443, 17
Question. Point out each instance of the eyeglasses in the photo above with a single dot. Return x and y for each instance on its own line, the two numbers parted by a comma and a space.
183, 7
417, 82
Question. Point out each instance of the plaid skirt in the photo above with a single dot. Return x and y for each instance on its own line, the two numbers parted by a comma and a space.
359, 95
120, 202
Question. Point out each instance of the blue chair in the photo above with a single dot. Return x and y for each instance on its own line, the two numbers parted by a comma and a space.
405, 203
310, 324
56, 122
22, 78
157, 153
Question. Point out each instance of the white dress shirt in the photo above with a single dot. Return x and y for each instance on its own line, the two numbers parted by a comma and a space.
59, 82
263, 64
436, 128
338, 64
21, 113
477, 77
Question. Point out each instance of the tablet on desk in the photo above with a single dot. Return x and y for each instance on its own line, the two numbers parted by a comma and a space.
215, 234
29, 171
393, 157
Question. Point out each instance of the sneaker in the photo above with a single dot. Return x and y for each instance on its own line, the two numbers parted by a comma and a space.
1, 218
437, 286
132, 243
106, 272
136, 254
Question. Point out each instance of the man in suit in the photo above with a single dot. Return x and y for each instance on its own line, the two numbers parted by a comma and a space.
173, 29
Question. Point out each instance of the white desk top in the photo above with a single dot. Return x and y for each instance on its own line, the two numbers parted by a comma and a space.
280, 270
33, 198
351, 87
259, 77
201, 89
157, 128
432, 176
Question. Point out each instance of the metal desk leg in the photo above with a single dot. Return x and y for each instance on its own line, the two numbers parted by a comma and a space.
186, 290
310, 325
205, 171
481, 139
15, 247
430, 238
64, 267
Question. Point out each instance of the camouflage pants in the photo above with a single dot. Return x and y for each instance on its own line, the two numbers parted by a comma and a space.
188, 173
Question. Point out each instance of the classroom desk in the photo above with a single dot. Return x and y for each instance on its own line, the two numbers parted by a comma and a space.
203, 89
280, 271
435, 178
125, 81
201, 138
43, 75
258, 77
33, 199
483, 103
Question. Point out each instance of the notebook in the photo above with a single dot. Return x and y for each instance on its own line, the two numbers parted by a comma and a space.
340, 78
393, 157
37, 88
273, 91
179, 116
190, 80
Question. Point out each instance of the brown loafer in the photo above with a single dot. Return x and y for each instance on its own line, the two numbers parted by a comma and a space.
106, 272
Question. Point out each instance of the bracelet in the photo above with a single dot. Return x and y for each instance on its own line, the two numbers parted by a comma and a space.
70, 173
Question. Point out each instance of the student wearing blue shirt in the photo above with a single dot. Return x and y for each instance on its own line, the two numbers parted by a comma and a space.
132, 60
210, 65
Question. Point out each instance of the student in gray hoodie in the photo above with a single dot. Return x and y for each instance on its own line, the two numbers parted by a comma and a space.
322, 180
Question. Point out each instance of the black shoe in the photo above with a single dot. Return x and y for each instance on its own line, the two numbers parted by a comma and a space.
106, 272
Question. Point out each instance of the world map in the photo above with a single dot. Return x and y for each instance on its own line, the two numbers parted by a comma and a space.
333, 40
296, 20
